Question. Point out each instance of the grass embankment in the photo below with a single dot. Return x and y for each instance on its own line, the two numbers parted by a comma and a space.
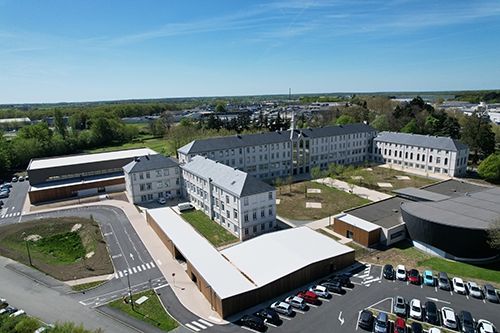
89, 285
150, 311
213, 232
293, 201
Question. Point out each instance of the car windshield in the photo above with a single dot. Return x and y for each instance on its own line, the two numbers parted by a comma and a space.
443, 280
490, 291
459, 284
415, 308
401, 271
400, 305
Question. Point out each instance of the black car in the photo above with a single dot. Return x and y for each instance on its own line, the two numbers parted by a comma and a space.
344, 280
366, 320
389, 272
333, 286
416, 327
431, 313
269, 316
254, 322
466, 322
8, 310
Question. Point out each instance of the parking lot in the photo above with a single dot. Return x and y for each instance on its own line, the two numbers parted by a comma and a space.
340, 312
13, 204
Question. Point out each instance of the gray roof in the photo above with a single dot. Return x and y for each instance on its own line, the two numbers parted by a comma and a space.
416, 194
436, 142
473, 210
150, 162
240, 141
454, 188
230, 179
385, 213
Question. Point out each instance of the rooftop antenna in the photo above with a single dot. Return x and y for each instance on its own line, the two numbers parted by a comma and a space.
289, 94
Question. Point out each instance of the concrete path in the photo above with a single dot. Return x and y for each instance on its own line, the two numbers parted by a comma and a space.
357, 190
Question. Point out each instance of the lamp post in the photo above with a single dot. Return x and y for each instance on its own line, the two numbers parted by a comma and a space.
129, 290
27, 247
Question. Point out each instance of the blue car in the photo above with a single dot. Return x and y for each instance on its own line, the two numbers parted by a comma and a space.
428, 278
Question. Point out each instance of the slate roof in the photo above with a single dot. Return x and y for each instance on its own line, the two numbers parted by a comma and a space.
232, 180
436, 142
419, 194
241, 141
385, 213
150, 162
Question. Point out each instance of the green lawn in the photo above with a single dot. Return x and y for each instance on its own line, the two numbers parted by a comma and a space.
159, 145
211, 230
151, 311
483, 272
293, 201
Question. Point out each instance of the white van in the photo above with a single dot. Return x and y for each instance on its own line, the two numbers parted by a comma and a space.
184, 206
18, 313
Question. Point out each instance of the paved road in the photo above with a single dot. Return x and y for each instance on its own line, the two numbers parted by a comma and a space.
13, 205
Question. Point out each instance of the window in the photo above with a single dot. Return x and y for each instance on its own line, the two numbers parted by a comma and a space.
228, 214
222, 206
166, 172
254, 214
270, 224
263, 226
245, 201
270, 210
245, 216
158, 173
246, 231
141, 176
235, 213
134, 177
142, 187
438, 160
254, 228
176, 171
262, 212
446, 161
149, 186
148, 175
167, 182
430, 159
159, 184
227, 198
235, 228
270, 195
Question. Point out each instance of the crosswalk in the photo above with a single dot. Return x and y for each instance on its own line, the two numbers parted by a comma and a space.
136, 269
10, 215
198, 325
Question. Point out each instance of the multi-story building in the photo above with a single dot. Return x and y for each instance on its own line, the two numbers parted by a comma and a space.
237, 201
151, 177
430, 154
281, 153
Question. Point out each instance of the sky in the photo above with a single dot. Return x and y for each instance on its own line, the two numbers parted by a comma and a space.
74, 51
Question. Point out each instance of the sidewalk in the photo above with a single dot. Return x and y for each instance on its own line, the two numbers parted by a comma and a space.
357, 190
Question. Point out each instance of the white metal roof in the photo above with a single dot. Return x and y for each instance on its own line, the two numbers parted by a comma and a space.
269, 257
220, 274
43, 163
358, 223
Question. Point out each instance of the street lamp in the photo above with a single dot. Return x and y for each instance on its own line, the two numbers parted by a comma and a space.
27, 247
129, 290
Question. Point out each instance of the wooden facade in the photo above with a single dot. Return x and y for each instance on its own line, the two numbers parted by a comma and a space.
237, 303
363, 237
68, 191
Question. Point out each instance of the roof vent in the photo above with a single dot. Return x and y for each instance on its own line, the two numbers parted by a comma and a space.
137, 159
147, 157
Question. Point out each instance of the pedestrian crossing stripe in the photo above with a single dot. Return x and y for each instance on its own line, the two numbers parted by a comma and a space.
136, 269
10, 215
198, 325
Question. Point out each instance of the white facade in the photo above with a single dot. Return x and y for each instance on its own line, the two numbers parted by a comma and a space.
152, 177
237, 201
432, 155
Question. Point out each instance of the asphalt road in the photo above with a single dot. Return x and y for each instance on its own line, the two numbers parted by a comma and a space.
13, 205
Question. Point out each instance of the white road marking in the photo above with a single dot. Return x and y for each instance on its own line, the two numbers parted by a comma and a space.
159, 262
143, 267
147, 265
198, 324
153, 264
135, 270
139, 268
205, 322
121, 274
193, 328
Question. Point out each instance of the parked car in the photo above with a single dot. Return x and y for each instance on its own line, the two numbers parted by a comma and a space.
474, 290
8, 310
21, 179
458, 286
162, 200
490, 293
389, 272
434, 330
416, 327
428, 278
400, 306
4, 194
366, 320
399, 325
401, 272
282, 307
449, 318
296, 302
269, 316
319, 290
308, 296
484, 326
14, 179
254, 322
466, 322
3, 303
27, 177
431, 313
18, 313
1, 203
381, 323
416, 309
443, 281
414, 276
45, 328
333, 286
343, 279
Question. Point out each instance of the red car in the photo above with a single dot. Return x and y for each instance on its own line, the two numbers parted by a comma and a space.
399, 325
308, 296
414, 276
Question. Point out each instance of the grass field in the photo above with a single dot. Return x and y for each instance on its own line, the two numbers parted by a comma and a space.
293, 201
151, 311
159, 145
213, 232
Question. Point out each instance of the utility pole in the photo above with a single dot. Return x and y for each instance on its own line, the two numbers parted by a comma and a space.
27, 247
130, 290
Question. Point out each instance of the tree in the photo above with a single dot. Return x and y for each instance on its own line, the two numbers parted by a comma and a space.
220, 108
289, 182
102, 132
381, 123
315, 172
278, 183
345, 119
490, 168
411, 127
477, 134
493, 234
59, 124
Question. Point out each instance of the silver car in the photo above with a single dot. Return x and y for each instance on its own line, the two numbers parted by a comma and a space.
400, 306
474, 290
282, 307
296, 302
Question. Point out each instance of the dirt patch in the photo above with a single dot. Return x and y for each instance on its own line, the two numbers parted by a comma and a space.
97, 264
